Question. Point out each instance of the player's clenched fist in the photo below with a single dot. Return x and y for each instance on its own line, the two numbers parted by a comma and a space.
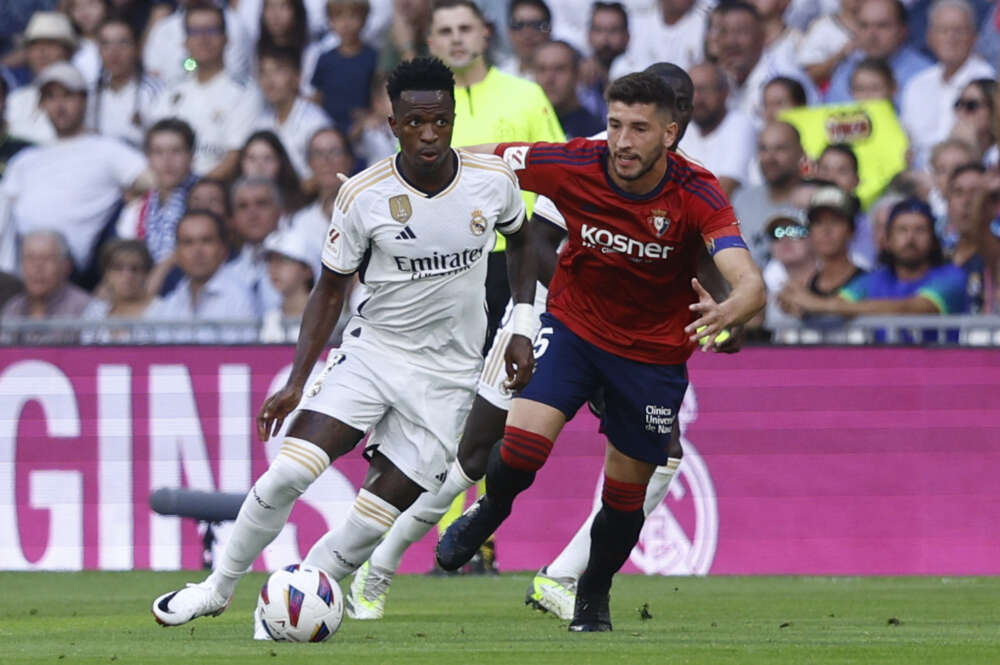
520, 359
275, 409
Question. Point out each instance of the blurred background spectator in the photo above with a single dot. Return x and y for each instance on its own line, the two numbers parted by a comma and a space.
176, 47
122, 102
722, 140
264, 156
882, 34
291, 117
529, 26
75, 184
207, 293
779, 150
557, 70
343, 76
292, 271
218, 104
45, 266
257, 213
48, 39
125, 267
928, 100
278, 96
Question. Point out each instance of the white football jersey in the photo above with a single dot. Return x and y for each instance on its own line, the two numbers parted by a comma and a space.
423, 258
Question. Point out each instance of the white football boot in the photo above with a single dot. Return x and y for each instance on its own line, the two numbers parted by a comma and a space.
193, 601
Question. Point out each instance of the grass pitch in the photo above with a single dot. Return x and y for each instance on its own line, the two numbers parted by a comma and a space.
104, 618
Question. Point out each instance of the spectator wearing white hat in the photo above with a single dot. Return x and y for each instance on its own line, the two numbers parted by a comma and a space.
49, 38
292, 271
75, 184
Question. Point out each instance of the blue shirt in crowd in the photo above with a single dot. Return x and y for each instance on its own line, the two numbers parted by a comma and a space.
905, 63
944, 285
345, 83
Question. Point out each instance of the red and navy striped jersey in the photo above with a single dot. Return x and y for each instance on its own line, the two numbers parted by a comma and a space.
623, 281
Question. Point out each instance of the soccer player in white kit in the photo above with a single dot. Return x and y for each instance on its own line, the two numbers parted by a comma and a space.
418, 227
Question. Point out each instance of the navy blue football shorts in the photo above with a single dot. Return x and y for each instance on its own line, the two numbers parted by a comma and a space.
642, 399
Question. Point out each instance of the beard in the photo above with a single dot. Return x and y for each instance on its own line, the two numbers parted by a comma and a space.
645, 166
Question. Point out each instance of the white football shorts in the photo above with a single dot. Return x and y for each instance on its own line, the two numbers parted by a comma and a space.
494, 374
415, 415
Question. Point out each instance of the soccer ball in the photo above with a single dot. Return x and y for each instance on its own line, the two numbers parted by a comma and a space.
300, 604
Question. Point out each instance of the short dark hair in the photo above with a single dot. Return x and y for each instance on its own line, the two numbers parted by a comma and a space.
616, 7
118, 19
175, 125
844, 149
286, 55
421, 73
917, 205
221, 185
642, 88
575, 55
679, 81
205, 6
116, 246
330, 129
878, 65
451, 4
733, 6
218, 222
976, 167
795, 89
537, 4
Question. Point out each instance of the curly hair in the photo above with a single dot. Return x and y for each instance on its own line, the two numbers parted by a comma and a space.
423, 73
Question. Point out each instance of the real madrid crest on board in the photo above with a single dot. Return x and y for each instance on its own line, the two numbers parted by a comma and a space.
479, 222
400, 208
659, 221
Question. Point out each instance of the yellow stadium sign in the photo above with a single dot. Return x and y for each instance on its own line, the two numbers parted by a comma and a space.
871, 128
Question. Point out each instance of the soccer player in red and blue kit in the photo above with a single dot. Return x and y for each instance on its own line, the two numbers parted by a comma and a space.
625, 312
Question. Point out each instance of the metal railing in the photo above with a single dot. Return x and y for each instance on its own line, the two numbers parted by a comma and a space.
974, 331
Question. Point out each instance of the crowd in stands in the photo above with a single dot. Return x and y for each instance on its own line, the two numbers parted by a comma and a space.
175, 161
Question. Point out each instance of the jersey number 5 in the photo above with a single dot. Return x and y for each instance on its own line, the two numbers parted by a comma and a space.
542, 341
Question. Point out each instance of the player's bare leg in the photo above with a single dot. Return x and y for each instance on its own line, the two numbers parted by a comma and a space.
312, 442
613, 534
483, 429
531, 428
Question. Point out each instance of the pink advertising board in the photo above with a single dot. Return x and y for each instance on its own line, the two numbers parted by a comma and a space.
819, 461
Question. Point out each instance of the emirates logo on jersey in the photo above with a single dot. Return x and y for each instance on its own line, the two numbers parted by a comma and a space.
659, 221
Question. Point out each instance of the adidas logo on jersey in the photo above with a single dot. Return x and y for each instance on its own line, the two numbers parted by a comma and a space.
406, 234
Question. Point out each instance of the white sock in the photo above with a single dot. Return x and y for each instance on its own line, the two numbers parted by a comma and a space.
418, 519
342, 551
572, 561
266, 509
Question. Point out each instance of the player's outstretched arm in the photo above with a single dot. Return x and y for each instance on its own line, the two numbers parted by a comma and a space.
486, 148
321, 314
522, 273
746, 298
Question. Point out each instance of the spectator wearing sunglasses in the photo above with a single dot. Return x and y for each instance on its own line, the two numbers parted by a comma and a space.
914, 279
928, 101
974, 123
529, 27
792, 263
